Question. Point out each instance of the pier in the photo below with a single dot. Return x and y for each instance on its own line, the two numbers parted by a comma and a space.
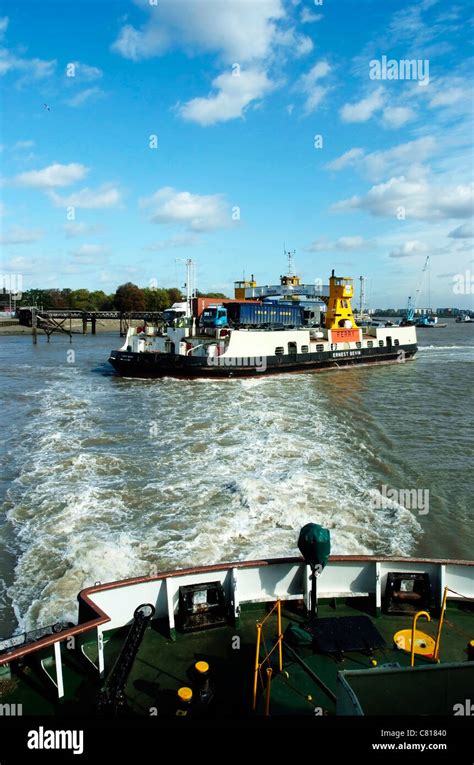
61, 320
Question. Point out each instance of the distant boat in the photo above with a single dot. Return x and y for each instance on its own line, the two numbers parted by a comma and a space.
465, 319
429, 321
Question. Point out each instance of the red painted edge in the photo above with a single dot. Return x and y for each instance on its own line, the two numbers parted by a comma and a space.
102, 618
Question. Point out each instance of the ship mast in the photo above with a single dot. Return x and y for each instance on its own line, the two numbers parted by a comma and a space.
190, 283
362, 295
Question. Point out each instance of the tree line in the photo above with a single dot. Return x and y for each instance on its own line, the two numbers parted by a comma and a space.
127, 297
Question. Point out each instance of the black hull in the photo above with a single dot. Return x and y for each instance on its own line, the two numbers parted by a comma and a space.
154, 365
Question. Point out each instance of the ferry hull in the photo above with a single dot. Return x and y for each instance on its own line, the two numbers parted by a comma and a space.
154, 365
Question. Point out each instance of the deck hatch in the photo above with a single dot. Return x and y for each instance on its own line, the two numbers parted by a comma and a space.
407, 593
201, 606
337, 635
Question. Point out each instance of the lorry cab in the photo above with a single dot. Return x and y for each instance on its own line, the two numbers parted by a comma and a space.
177, 311
214, 316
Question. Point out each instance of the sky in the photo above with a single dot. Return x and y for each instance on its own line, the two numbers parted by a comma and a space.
137, 134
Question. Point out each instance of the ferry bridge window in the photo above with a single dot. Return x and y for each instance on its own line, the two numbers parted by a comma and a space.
279, 351
381, 343
304, 349
370, 344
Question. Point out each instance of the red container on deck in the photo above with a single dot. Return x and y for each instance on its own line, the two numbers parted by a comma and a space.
199, 304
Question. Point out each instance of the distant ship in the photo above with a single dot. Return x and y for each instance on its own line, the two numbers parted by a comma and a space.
248, 336
429, 322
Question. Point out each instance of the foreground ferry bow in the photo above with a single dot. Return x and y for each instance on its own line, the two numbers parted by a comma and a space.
243, 338
319, 635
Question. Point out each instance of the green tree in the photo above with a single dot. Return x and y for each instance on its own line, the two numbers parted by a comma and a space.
156, 299
101, 301
81, 300
129, 297
212, 295
174, 296
36, 297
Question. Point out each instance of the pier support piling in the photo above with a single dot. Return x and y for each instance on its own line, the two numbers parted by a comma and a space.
34, 322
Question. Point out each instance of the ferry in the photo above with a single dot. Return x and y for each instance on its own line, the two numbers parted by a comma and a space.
252, 335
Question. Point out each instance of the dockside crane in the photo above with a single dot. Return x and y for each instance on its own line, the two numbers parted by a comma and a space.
413, 302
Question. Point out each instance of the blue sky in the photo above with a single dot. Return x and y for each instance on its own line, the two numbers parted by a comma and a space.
233, 94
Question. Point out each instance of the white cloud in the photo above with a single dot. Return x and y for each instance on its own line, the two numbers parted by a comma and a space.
309, 84
397, 116
239, 31
448, 97
346, 159
85, 96
407, 24
234, 95
408, 249
403, 159
362, 110
89, 253
299, 45
308, 17
466, 231
79, 229
345, 243
33, 68
106, 196
253, 34
418, 199
18, 235
23, 145
193, 211
53, 175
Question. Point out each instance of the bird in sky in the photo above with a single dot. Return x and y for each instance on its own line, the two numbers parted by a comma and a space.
47, 107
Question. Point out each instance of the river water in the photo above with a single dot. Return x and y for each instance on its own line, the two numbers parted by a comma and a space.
106, 478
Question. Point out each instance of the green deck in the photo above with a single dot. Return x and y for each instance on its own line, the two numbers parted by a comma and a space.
162, 666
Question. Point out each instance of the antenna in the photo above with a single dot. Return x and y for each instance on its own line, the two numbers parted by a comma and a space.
190, 281
362, 294
290, 256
